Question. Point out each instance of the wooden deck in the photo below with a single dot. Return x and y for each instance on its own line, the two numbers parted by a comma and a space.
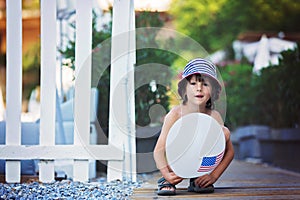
241, 180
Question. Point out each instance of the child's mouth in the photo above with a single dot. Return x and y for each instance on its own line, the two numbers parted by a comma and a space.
199, 96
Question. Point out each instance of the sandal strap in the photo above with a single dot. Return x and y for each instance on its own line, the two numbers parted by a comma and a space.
162, 182
166, 185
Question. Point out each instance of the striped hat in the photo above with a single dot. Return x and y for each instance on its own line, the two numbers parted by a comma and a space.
201, 66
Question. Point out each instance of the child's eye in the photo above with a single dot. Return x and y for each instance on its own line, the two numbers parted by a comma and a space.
205, 84
193, 83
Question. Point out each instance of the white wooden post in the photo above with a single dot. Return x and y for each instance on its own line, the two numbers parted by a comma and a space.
48, 86
121, 112
131, 93
83, 63
13, 84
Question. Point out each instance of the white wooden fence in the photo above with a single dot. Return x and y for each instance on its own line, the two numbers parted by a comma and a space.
120, 151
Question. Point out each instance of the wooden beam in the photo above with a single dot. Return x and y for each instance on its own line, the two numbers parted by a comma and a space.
68, 152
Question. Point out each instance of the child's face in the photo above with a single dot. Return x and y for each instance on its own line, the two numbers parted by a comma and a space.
198, 91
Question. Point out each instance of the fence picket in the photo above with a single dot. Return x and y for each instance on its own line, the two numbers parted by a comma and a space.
48, 86
13, 84
83, 66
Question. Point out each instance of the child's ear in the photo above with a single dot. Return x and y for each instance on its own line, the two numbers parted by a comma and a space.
185, 98
209, 103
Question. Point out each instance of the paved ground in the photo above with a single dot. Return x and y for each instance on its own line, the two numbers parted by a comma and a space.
242, 180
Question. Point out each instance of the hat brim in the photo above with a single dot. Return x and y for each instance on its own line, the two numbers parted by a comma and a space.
204, 74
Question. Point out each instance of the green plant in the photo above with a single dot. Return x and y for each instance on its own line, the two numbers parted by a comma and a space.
31, 70
216, 24
271, 98
237, 80
278, 95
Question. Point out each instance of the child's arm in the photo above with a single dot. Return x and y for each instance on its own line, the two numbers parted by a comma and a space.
160, 150
211, 178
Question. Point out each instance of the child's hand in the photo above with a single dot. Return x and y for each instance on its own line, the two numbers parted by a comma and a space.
205, 180
172, 178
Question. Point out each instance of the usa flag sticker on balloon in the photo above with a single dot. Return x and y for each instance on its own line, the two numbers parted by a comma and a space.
195, 145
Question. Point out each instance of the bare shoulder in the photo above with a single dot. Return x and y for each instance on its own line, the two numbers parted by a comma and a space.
217, 116
174, 114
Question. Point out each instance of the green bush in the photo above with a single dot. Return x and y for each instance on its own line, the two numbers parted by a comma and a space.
278, 97
237, 81
271, 98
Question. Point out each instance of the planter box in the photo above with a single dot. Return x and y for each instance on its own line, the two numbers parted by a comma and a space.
282, 148
246, 141
146, 138
236, 146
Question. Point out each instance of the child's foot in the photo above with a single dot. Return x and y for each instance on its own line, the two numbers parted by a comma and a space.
196, 188
165, 188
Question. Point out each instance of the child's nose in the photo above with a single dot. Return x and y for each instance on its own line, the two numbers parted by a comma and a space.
199, 86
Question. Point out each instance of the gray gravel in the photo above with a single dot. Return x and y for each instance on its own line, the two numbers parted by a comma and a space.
68, 189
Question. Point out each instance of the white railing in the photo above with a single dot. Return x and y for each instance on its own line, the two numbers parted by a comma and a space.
81, 151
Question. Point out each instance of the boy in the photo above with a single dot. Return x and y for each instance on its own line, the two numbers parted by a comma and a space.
198, 88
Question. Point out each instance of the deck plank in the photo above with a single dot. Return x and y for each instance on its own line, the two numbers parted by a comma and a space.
242, 180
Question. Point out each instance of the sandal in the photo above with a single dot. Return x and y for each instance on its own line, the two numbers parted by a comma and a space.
196, 188
163, 183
